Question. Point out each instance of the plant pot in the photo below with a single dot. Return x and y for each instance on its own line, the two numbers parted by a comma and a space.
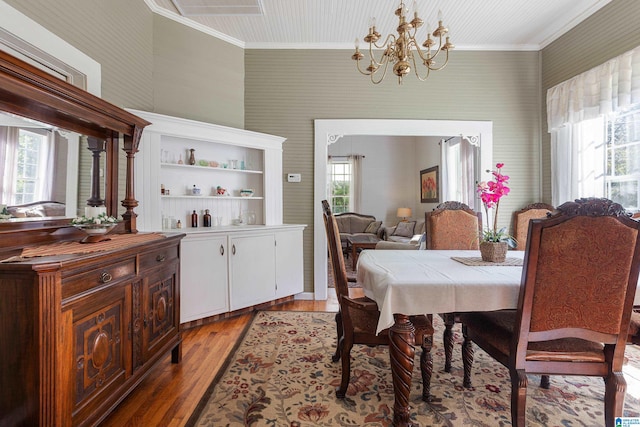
493, 251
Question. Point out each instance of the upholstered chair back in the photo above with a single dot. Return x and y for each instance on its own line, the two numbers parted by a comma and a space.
580, 273
453, 225
521, 220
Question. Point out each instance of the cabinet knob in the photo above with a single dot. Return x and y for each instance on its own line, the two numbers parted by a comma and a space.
160, 258
105, 277
222, 250
233, 249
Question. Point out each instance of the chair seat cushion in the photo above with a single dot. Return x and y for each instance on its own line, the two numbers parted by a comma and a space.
496, 327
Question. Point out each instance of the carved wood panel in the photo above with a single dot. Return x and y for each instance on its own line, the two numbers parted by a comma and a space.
99, 344
159, 307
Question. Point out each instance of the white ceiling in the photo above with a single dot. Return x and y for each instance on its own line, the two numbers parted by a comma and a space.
334, 24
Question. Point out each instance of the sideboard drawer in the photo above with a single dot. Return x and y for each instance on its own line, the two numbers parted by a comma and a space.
99, 276
158, 257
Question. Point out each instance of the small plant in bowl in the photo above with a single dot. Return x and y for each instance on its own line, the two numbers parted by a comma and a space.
95, 226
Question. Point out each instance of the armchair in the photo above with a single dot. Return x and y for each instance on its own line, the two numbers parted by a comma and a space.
521, 220
578, 284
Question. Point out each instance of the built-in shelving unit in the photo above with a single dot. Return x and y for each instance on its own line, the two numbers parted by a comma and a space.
231, 265
229, 158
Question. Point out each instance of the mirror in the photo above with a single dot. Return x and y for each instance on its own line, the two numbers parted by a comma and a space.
40, 169
30, 93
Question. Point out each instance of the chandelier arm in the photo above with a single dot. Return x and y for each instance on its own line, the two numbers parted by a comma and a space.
384, 73
446, 61
415, 70
390, 38
377, 62
366, 73
422, 53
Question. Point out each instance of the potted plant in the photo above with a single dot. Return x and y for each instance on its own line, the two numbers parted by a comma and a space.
494, 242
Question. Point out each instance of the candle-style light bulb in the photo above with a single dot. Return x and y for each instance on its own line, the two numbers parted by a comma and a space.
357, 43
372, 22
439, 15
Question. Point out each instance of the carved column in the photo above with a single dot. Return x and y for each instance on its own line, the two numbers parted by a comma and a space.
96, 146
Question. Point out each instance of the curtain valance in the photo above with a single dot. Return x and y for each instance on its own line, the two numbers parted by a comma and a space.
612, 86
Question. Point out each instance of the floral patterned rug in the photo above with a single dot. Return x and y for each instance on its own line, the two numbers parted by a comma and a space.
281, 374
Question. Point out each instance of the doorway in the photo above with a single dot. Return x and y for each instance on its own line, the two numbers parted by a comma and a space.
328, 132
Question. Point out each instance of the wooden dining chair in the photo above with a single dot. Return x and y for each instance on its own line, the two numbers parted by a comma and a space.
452, 225
357, 318
578, 284
521, 220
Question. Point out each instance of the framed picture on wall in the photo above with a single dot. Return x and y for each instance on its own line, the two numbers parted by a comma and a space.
429, 185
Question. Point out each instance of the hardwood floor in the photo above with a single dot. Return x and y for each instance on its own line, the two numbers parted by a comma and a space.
170, 393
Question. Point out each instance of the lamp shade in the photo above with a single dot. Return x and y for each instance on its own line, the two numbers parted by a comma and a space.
404, 213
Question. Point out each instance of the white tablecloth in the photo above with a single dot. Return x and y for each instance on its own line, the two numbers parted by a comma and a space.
430, 282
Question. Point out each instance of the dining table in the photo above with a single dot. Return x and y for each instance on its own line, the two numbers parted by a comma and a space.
407, 283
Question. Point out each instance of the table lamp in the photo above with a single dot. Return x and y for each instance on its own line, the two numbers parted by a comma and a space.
404, 213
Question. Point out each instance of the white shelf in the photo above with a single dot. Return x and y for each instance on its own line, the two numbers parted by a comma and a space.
186, 196
173, 138
210, 168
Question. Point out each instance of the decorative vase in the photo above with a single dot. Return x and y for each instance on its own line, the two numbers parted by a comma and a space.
493, 251
192, 156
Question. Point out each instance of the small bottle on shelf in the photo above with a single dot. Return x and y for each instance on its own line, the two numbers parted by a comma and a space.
194, 219
178, 224
207, 218
162, 191
192, 156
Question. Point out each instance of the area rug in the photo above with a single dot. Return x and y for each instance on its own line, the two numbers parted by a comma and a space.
281, 374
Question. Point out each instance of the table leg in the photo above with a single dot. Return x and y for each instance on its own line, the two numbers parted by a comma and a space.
354, 256
401, 352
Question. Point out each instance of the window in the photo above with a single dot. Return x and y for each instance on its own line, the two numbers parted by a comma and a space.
27, 176
26, 160
623, 158
340, 184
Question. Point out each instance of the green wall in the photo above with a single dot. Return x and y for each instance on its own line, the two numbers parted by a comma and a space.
285, 90
197, 76
149, 62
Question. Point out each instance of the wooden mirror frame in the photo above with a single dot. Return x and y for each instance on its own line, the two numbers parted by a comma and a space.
30, 92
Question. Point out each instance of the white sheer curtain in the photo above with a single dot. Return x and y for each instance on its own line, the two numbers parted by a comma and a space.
578, 161
575, 112
46, 166
8, 161
356, 182
457, 164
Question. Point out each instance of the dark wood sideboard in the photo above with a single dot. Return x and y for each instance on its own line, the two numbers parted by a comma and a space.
79, 330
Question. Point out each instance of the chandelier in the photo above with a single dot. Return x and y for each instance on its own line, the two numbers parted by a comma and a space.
404, 50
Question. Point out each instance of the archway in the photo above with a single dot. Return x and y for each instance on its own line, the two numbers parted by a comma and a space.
329, 131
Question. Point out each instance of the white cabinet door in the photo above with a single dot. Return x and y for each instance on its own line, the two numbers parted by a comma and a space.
203, 277
253, 272
289, 263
